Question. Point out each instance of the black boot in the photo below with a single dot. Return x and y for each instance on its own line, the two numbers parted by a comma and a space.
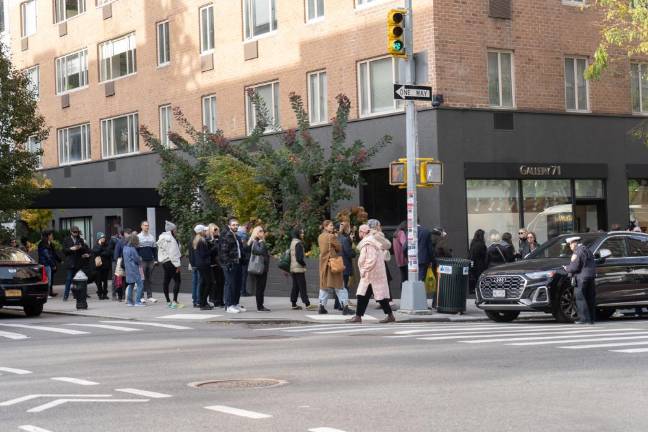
322, 310
347, 311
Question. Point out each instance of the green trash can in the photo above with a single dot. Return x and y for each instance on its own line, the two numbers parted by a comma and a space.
452, 285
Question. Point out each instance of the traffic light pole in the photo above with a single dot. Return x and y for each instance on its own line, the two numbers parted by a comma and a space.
413, 297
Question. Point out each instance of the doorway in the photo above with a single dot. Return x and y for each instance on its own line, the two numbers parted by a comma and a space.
589, 216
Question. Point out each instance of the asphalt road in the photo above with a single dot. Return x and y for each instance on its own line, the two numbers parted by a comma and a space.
133, 376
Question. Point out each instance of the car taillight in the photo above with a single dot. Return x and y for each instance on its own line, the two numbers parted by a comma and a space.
43, 275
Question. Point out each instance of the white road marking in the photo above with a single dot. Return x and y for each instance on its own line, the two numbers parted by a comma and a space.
509, 337
356, 329
148, 394
75, 381
150, 324
238, 412
189, 316
631, 350
338, 317
563, 335
325, 429
604, 345
12, 335
589, 338
58, 402
106, 326
48, 329
36, 396
15, 371
451, 334
484, 329
30, 428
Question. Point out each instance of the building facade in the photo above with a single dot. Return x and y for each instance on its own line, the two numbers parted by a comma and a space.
524, 138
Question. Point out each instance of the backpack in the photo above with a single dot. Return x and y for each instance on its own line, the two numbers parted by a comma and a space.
284, 261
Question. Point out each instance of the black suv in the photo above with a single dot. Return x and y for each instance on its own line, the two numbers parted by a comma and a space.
23, 282
539, 283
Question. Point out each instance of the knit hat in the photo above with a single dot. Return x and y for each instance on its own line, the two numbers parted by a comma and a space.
169, 226
100, 235
200, 228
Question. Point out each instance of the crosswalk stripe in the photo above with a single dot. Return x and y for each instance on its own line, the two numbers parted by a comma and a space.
238, 412
337, 317
563, 335
12, 335
631, 350
189, 316
150, 324
358, 329
505, 337
482, 328
482, 333
306, 329
31, 428
618, 344
75, 381
106, 326
324, 429
585, 338
145, 393
15, 371
47, 329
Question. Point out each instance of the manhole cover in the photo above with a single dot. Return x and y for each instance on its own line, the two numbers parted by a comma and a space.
235, 384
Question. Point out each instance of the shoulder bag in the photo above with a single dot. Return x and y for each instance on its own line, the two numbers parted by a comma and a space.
335, 263
256, 265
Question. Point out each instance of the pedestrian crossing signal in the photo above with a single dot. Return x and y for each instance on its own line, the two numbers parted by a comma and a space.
396, 32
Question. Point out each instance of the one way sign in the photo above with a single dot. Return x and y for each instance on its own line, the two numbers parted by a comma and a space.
412, 92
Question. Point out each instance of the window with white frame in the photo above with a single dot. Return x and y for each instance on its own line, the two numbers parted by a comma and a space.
317, 98
33, 75
269, 93
206, 29
74, 144
259, 17
84, 223
66, 9
500, 79
375, 79
72, 71
104, 2
365, 2
163, 46
574, 2
165, 124
209, 113
117, 58
28, 18
34, 146
639, 87
314, 9
119, 135
576, 86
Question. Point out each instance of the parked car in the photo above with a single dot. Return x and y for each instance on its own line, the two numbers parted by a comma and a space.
538, 283
23, 282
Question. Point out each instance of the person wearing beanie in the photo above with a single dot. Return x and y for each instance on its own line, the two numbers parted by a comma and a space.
103, 259
169, 257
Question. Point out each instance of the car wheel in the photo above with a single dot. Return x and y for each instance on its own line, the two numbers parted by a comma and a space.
604, 314
505, 316
33, 309
564, 304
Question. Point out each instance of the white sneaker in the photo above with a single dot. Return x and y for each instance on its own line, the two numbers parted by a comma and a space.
241, 308
232, 309
151, 300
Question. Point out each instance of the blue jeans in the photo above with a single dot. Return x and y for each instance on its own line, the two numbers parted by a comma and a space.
48, 271
68, 282
195, 286
325, 293
232, 284
138, 295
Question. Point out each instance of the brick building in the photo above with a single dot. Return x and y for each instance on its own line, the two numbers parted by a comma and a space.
524, 138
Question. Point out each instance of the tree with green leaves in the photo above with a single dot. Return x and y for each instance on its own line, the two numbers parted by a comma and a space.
19, 120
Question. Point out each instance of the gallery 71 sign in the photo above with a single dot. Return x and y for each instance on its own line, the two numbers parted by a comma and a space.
542, 170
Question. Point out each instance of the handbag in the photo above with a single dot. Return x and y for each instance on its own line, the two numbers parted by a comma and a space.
284, 261
98, 261
256, 265
336, 263
119, 269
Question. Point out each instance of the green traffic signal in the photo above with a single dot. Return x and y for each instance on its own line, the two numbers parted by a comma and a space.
397, 45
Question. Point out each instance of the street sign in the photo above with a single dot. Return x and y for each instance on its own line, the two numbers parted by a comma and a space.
412, 92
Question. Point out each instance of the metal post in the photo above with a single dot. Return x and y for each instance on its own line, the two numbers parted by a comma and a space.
413, 297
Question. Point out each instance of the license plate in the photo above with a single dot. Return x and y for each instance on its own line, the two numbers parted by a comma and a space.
13, 293
499, 293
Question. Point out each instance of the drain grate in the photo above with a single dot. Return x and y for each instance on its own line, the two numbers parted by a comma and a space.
236, 384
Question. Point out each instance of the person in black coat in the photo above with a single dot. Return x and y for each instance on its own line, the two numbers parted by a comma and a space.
102, 250
216, 292
75, 250
202, 260
477, 254
230, 255
500, 251
48, 257
425, 251
258, 247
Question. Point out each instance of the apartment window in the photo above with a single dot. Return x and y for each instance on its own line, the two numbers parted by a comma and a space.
104, 2
74, 144
33, 76
206, 29
117, 58
72, 71
83, 223
500, 79
34, 146
28, 18
314, 9
259, 16
165, 124
575, 84
376, 78
365, 2
2, 16
269, 93
317, 102
209, 113
66, 9
119, 135
163, 48
639, 87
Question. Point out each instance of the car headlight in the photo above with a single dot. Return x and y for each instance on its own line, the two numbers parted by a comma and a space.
540, 275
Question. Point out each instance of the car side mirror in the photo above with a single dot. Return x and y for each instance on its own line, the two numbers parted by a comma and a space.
602, 254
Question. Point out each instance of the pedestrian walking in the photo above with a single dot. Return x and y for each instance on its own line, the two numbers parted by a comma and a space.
582, 268
169, 257
195, 275
258, 266
48, 258
230, 256
75, 250
298, 271
133, 269
218, 286
331, 268
375, 230
399, 245
373, 276
148, 251
103, 259
478, 258
202, 260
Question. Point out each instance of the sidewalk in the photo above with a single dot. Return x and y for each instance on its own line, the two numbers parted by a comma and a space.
280, 307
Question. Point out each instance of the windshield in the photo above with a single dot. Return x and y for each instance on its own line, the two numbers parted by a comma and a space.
14, 256
558, 248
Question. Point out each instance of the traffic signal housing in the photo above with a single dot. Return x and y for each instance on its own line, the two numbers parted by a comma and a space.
396, 32
430, 172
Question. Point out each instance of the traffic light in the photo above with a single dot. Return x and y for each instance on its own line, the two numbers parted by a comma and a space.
396, 32
430, 172
398, 173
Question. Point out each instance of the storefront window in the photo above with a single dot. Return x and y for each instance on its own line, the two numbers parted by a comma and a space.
638, 197
547, 207
493, 206
589, 189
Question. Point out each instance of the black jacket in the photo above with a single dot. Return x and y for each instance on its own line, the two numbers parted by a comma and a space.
347, 254
499, 253
260, 248
228, 252
582, 264
202, 255
478, 256
105, 253
73, 259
